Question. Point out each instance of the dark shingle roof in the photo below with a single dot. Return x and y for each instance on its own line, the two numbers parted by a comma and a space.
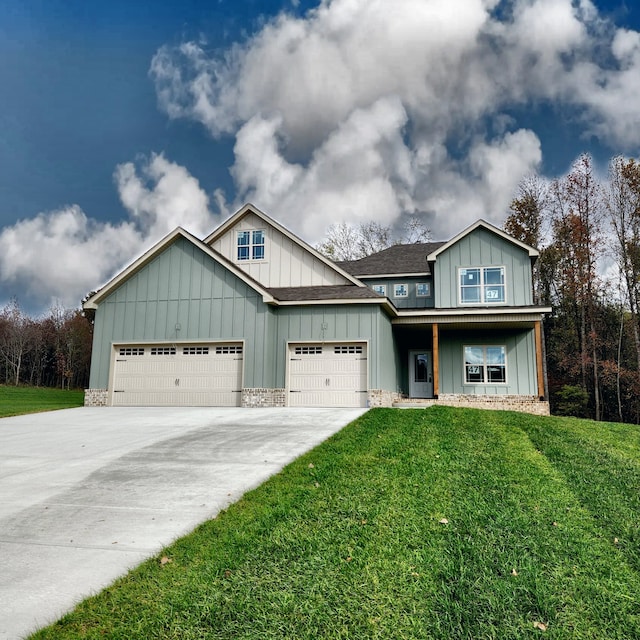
399, 258
333, 292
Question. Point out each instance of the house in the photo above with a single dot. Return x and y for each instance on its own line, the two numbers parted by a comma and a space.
253, 316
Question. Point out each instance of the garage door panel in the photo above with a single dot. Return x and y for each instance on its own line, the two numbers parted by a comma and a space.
328, 375
192, 375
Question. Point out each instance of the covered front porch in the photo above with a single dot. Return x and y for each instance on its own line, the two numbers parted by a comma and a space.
478, 359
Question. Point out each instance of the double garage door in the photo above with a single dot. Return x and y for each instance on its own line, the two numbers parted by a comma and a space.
320, 375
328, 375
178, 375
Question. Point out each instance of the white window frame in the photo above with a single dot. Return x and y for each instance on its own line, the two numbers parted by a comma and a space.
423, 284
401, 295
485, 288
253, 245
380, 288
485, 365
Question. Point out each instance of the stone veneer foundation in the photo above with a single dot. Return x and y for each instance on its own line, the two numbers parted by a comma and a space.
96, 397
382, 398
263, 398
524, 404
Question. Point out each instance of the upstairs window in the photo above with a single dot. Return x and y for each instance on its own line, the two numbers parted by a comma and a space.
251, 245
423, 289
482, 285
380, 288
400, 290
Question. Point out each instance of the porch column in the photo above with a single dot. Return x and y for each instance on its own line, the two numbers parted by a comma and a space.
436, 362
537, 326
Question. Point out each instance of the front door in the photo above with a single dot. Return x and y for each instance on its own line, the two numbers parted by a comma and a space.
420, 374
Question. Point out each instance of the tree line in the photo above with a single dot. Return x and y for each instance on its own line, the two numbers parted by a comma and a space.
51, 351
588, 232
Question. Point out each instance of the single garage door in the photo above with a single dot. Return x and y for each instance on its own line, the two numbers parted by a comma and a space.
328, 375
191, 375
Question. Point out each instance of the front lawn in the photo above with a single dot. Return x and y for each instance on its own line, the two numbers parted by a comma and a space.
15, 401
440, 523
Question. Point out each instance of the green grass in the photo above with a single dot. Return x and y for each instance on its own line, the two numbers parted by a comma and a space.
347, 542
15, 401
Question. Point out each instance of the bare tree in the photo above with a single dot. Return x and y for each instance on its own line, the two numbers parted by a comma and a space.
15, 338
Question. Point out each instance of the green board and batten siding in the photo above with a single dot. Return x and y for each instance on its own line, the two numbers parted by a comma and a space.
521, 362
352, 323
483, 248
183, 287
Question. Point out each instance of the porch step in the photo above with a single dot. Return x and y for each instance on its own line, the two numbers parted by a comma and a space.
414, 403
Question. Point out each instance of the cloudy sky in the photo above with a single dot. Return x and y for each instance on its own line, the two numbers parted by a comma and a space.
120, 121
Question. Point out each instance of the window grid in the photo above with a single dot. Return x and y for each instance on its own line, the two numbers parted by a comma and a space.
308, 351
352, 348
131, 351
195, 351
250, 245
227, 349
163, 351
380, 288
400, 290
482, 285
485, 364
423, 289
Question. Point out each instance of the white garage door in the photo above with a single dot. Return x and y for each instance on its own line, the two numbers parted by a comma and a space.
197, 375
328, 375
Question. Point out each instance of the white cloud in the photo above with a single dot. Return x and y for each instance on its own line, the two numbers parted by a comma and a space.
62, 255
351, 111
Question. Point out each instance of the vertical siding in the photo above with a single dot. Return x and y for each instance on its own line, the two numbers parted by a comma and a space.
183, 295
412, 301
286, 263
483, 248
521, 364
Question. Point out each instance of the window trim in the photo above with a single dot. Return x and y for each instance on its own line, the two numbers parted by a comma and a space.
423, 295
485, 365
406, 289
483, 285
251, 245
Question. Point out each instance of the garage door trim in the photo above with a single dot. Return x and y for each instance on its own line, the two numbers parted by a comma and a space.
177, 345
310, 344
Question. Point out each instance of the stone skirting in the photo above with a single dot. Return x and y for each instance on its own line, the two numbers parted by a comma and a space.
525, 404
382, 398
96, 397
263, 398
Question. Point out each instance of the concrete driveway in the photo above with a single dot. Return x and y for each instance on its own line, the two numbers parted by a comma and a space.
86, 494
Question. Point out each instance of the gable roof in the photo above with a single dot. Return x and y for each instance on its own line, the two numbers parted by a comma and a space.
533, 253
248, 209
148, 256
399, 259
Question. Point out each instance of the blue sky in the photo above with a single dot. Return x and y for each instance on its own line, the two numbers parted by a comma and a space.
122, 120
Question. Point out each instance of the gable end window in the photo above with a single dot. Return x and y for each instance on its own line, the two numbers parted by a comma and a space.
485, 364
251, 245
482, 285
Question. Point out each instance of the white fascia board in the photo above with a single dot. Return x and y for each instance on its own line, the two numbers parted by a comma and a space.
249, 208
485, 311
148, 256
533, 253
